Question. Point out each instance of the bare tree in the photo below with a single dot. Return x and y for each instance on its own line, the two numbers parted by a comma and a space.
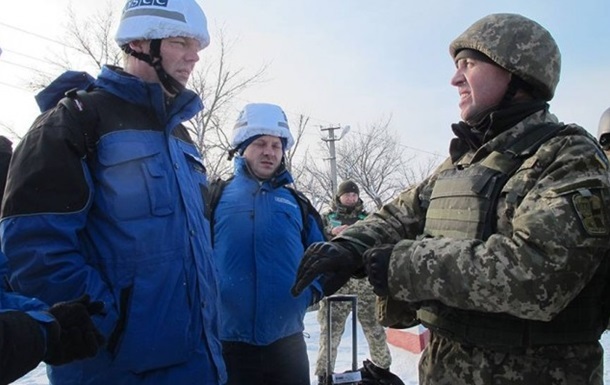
374, 159
91, 38
291, 164
219, 84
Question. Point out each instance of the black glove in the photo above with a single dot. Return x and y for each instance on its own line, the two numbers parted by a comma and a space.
376, 262
334, 261
78, 337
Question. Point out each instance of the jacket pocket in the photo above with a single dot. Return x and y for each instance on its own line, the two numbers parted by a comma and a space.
135, 179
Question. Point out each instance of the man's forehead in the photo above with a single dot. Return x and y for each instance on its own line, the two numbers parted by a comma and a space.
268, 138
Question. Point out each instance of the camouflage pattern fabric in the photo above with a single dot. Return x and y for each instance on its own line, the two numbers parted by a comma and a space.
445, 362
517, 44
373, 331
546, 248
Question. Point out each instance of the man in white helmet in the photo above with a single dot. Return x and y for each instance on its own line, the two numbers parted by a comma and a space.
261, 228
114, 208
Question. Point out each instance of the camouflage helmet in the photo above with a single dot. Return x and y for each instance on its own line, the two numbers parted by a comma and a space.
603, 132
517, 44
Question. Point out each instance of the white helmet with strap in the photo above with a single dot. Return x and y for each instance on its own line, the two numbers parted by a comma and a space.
159, 19
261, 119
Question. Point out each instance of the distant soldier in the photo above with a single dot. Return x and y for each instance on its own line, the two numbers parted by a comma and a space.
503, 251
347, 209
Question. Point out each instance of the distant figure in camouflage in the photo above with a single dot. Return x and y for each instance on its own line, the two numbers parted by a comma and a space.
346, 210
603, 132
503, 251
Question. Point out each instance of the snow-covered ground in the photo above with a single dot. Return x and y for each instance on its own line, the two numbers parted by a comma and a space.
404, 363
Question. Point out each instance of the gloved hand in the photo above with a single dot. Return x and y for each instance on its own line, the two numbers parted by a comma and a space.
376, 262
334, 261
78, 337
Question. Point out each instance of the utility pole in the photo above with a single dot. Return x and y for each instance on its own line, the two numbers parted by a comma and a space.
331, 139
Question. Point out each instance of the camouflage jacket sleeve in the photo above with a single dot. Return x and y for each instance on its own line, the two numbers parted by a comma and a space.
551, 236
327, 225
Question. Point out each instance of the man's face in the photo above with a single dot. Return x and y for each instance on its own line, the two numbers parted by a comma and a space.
349, 199
481, 85
180, 54
264, 156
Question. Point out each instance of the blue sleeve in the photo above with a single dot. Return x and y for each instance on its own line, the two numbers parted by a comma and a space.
14, 301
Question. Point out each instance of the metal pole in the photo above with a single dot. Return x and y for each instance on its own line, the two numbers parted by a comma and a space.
333, 162
333, 157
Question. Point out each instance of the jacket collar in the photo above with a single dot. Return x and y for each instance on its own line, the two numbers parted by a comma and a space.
149, 95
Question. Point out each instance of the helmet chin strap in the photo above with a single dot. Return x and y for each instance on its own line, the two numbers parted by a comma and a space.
171, 85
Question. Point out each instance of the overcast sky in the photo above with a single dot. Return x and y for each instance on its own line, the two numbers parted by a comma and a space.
346, 62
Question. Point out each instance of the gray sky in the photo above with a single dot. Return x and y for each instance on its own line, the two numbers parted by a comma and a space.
346, 62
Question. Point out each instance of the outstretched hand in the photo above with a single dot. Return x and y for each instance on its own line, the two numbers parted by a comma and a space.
376, 264
334, 261
78, 337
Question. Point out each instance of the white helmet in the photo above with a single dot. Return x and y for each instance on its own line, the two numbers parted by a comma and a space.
160, 19
261, 119
603, 132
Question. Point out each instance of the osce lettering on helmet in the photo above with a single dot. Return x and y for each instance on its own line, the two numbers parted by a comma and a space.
137, 3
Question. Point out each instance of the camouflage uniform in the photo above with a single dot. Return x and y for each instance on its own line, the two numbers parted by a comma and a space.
546, 254
373, 331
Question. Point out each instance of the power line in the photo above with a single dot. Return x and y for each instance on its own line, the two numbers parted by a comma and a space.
24, 66
35, 34
67, 46
28, 56
405, 146
15, 86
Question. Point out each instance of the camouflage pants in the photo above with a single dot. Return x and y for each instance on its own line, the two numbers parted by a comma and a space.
373, 331
446, 362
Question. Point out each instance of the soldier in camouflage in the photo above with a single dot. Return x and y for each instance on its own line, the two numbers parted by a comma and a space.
603, 132
346, 210
503, 251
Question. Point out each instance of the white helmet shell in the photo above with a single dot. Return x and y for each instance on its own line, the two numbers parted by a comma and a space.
261, 119
604, 124
160, 19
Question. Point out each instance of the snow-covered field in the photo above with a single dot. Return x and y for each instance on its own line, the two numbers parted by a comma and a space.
404, 362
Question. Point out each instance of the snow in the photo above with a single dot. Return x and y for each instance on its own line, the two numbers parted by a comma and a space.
404, 363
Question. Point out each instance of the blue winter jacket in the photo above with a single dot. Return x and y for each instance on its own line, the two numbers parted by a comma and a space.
258, 247
10, 301
127, 227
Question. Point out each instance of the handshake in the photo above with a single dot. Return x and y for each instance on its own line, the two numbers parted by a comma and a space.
73, 335
336, 262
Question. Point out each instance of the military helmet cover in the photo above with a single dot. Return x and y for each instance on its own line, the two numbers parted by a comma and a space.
517, 44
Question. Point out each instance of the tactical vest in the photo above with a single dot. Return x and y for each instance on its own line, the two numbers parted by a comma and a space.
463, 206
337, 220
